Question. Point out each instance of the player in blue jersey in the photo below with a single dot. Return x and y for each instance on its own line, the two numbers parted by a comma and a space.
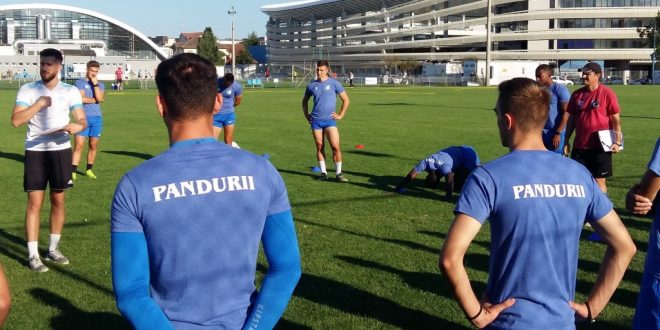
639, 201
554, 129
536, 218
323, 118
46, 107
186, 225
232, 95
93, 93
453, 163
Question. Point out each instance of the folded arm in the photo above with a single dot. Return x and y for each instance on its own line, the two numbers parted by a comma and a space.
130, 278
281, 250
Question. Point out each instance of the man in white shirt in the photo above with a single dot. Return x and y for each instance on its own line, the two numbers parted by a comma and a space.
44, 106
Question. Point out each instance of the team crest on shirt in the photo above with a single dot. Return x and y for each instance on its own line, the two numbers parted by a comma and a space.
229, 92
327, 87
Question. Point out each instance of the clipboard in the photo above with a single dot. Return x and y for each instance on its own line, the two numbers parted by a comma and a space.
607, 137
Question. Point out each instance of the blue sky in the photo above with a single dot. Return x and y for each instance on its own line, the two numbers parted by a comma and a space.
167, 17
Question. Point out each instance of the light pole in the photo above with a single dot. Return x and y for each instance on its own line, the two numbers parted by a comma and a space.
646, 32
232, 12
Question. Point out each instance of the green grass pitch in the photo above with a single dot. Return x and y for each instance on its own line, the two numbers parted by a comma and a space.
369, 259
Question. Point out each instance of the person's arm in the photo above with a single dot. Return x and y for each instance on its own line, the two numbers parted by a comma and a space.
570, 127
99, 93
411, 175
79, 125
619, 253
449, 184
461, 233
305, 107
615, 121
281, 250
639, 199
22, 113
563, 107
130, 279
344, 106
237, 100
5, 297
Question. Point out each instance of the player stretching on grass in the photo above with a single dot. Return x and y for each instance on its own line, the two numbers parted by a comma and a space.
536, 218
232, 95
453, 163
186, 225
323, 118
93, 93
45, 106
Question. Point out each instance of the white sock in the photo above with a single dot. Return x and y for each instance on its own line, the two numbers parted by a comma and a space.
322, 166
33, 248
54, 241
338, 167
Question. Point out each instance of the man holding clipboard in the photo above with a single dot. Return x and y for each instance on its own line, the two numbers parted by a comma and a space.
591, 109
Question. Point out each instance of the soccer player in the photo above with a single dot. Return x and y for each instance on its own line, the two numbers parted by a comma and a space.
119, 78
45, 106
186, 225
453, 163
592, 108
638, 201
554, 130
536, 217
232, 95
323, 118
93, 93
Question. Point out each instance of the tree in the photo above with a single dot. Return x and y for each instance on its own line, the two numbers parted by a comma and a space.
649, 33
243, 57
251, 40
208, 47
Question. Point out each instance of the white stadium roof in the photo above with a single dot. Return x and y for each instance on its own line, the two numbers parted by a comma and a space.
321, 9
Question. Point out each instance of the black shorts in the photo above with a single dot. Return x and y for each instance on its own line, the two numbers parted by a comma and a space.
47, 167
598, 162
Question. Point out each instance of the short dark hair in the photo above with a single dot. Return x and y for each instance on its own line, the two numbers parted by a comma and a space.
93, 64
228, 77
546, 68
323, 63
187, 84
526, 100
52, 52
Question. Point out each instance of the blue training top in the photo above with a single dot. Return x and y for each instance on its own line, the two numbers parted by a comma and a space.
558, 94
91, 109
197, 213
652, 265
325, 97
449, 160
536, 218
228, 95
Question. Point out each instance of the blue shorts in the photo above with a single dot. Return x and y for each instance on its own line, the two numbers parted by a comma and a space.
94, 127
225, 119
321, 124
547, 141
647, 313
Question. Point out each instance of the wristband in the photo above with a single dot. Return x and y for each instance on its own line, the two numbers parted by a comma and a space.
481, 308
590, 319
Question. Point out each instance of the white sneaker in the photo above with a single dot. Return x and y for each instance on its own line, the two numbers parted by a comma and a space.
36, 265
57, 257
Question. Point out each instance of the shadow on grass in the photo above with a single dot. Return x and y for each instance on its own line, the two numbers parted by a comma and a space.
129, 153
284, 324
72, 317
641, 117
404, 243
361, 303
429, 282
12, 156
21, 258
370, 154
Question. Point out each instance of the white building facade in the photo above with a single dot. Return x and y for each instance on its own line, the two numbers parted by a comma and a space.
367, 33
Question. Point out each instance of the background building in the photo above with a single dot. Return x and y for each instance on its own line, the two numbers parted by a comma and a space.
81, 34
371, 36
